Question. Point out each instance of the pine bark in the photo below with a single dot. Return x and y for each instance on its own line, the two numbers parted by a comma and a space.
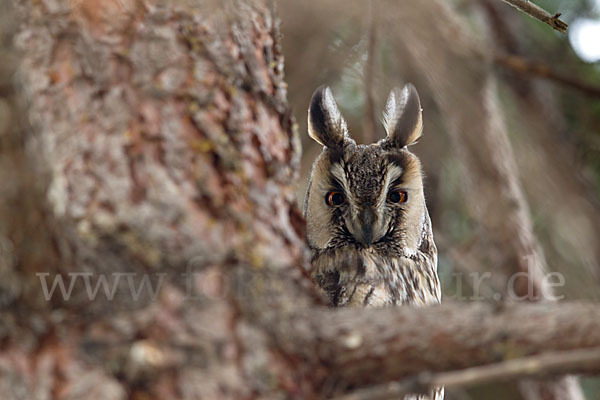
156, 142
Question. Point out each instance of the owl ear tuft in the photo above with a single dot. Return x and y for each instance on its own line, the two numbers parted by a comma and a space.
402, 117
325, 122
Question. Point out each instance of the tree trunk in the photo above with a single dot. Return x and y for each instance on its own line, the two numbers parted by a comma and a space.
162, 153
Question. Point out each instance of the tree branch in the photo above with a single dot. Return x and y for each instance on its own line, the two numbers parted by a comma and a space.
555, 363
524, 66
366, 347
539, 13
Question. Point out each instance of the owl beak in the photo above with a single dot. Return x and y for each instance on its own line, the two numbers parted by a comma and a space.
367, 220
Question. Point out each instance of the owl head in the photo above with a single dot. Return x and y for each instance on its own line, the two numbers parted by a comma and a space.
366, 196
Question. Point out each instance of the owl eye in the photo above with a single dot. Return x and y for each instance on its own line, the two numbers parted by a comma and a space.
334, 199
397, 196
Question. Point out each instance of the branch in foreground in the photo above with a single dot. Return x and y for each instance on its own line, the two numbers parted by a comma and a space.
523, 66
555, 363
370, 346
539, 13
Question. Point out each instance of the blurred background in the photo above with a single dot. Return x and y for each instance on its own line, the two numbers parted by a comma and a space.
548, 92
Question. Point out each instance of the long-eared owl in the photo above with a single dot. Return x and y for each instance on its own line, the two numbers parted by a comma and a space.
367, 223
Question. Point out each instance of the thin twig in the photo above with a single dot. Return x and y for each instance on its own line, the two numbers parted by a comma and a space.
555, 363
385, 391
539, 13
370, 125
527, 67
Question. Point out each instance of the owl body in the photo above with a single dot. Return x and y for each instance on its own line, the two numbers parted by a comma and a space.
367, 223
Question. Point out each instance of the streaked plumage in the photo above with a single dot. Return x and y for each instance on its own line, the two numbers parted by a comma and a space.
367, 222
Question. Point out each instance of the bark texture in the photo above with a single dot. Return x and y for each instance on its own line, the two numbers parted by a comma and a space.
399, 342
159, 142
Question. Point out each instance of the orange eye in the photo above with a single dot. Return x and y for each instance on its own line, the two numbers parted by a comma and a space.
334, 199
397, 196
